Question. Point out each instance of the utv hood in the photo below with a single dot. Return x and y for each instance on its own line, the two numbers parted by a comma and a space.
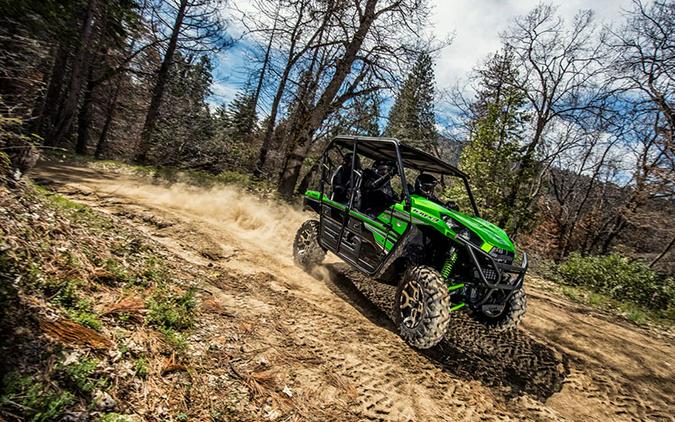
488, 232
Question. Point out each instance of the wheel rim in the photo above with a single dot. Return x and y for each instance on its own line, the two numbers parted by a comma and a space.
411, 305
303, 242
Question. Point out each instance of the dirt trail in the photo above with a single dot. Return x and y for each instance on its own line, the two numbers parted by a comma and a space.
331, 333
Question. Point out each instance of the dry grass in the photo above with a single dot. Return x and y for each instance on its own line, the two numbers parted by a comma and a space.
67, 255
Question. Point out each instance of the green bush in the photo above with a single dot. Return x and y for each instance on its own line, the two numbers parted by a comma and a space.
79, 309
620, 278
114, 417
172, 311
81, 376
174, 339
141, 367
86, 318
5, 167
33, 398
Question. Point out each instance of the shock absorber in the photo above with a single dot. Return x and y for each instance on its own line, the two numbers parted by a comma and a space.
446, 271
448, 265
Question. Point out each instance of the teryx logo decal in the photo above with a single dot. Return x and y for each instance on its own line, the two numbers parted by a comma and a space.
427, 216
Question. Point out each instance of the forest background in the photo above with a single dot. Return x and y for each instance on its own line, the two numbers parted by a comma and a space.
566, 129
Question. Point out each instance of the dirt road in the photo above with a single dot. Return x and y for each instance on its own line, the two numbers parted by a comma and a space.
330, 336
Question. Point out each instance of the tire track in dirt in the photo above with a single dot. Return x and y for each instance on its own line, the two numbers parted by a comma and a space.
513, 361
370, 360
339, 343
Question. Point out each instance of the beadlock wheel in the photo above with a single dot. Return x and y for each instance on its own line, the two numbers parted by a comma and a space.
423, 307
307, 252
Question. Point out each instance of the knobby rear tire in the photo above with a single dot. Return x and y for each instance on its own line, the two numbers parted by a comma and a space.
307, 252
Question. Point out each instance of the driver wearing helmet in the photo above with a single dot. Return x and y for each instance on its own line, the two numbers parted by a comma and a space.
425, 184
377, 191
342, 178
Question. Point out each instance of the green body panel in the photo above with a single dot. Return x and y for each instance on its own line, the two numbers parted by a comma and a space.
431, 213
386, 229
393, 222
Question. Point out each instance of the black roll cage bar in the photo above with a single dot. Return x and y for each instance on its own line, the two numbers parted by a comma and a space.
426, 162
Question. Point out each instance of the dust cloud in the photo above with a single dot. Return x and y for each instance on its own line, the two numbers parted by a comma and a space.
270, 225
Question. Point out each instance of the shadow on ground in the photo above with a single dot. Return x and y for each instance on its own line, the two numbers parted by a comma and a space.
514, 363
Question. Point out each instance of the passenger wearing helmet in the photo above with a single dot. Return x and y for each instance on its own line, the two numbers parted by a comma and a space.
377, 193
425, 184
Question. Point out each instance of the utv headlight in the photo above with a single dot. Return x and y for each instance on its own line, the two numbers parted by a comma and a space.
495, 252
501, 255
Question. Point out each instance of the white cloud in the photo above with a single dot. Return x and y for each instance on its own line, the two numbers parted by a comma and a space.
476, 25
222, 92
229, 74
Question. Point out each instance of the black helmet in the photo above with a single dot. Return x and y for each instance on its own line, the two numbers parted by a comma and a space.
382, 166
425, 185
347, 160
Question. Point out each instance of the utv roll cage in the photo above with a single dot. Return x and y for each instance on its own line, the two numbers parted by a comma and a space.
393, 150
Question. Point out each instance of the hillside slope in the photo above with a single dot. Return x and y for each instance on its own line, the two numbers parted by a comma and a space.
272, 342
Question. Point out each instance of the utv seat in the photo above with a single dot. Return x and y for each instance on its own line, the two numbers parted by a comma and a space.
341, 180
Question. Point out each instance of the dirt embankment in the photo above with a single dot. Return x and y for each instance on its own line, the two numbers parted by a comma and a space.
322, 346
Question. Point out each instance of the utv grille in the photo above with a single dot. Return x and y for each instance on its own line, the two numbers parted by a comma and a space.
490, 274
502, 256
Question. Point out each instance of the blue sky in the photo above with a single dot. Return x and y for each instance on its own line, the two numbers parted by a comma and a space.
230, 73
474, 24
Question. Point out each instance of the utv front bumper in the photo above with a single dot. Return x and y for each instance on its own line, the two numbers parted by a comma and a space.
495, 275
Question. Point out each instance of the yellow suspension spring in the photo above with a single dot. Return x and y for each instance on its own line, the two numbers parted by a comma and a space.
449, 264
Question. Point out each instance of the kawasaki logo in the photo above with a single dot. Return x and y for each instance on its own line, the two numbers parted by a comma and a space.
427, 216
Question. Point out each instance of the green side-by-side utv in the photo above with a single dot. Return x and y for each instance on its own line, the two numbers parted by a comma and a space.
442, 259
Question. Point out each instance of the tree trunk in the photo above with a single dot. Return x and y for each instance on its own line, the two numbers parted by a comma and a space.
606, 245
160, 85
266, 59
271, 121
110, 113
564, 249
291, 172
304, 183
269, 129
79, 67
290, 62
525, 164
84, 117
51, 99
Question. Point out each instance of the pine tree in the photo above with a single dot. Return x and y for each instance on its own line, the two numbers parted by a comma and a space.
236, 132
242, 117
493, 148
186, 126
412, 117
361, 117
